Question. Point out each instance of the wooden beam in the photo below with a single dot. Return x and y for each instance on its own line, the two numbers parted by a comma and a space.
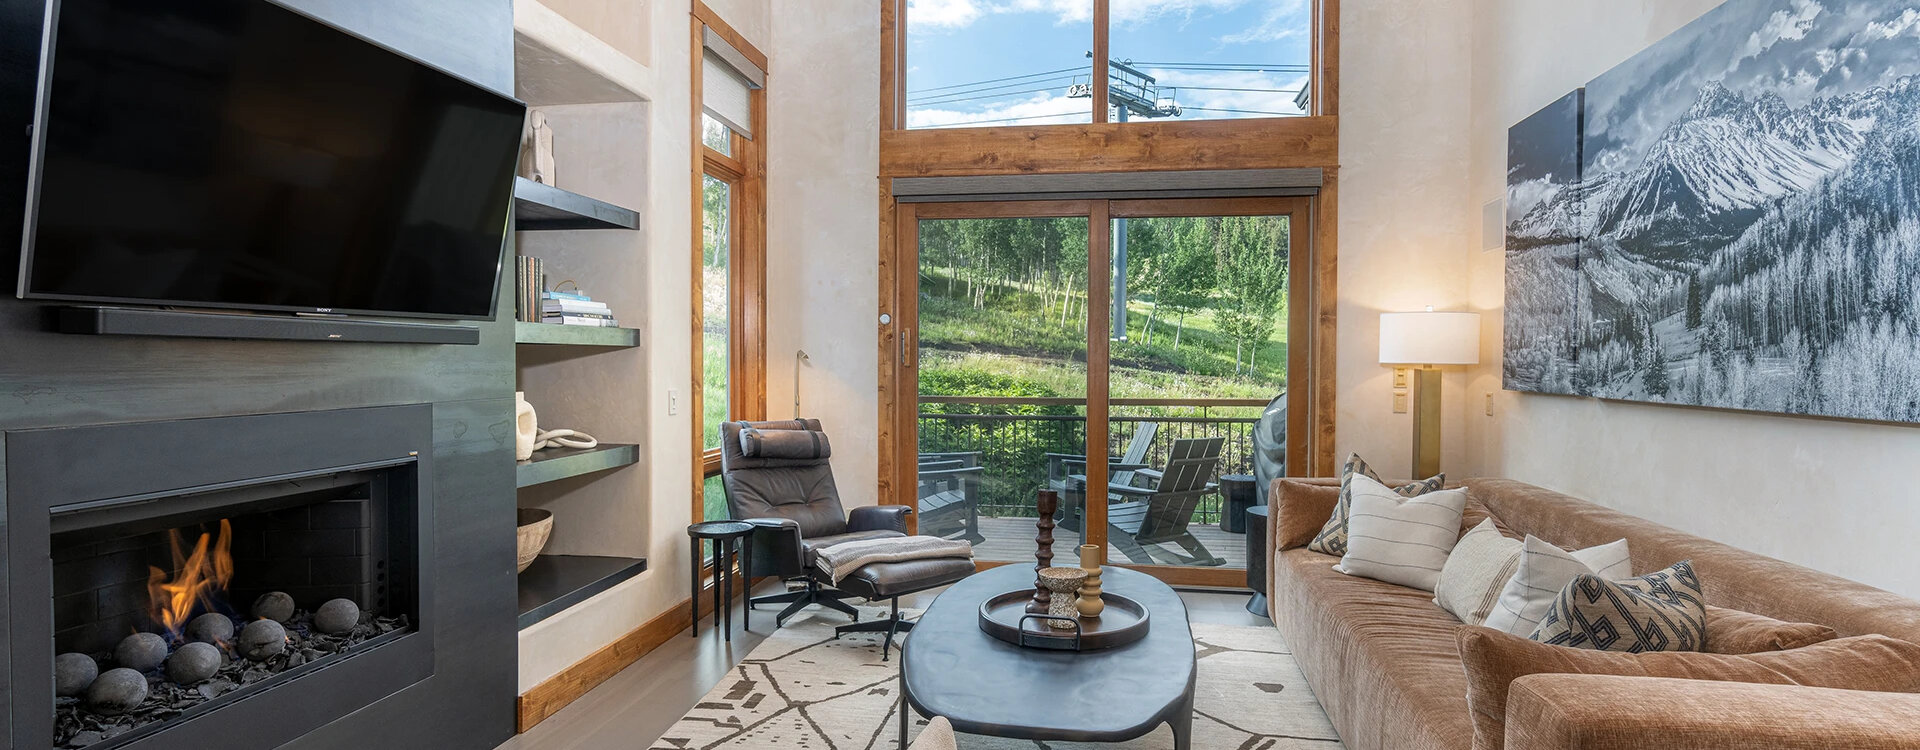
1267, 143
1099, 352
892, 62
1101, 76
1325, 96
1326, 278
547, 698
696, 310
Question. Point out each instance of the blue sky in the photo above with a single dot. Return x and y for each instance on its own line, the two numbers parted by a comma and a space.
1013, 62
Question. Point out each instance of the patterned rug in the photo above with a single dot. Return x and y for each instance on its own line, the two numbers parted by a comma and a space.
803, 690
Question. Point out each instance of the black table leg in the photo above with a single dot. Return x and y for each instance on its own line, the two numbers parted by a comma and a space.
746, 574
726, 577
718, 553
904, 708
694, 598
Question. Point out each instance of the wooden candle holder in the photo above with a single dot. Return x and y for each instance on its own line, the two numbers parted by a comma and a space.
1046, 504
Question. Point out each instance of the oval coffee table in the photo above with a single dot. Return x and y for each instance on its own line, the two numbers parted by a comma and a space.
990, 687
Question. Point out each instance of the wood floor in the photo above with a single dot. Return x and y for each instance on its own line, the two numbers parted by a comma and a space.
638, 705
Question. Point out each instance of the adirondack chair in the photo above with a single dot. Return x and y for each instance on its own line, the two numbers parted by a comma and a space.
950, 495
1066, 473
1161, 512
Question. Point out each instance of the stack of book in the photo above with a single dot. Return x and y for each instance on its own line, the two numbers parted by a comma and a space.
572, 309
529, 283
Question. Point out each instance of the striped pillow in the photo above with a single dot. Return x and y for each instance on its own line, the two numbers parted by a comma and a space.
1332, 539
1544, 571
1397, 539
1477, 569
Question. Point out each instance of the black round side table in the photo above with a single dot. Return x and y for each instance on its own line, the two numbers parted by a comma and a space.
1239, 491
1257, 556
731, 540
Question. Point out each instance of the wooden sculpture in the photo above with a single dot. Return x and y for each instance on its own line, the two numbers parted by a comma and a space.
1043, 550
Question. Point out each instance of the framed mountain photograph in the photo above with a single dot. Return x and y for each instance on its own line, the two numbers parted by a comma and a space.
1749, 189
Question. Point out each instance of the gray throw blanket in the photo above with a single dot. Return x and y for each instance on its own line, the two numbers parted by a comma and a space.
841, 560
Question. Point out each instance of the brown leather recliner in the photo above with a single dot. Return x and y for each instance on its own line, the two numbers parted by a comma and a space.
796, 508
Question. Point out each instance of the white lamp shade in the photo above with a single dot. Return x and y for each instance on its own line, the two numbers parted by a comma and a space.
1430, 338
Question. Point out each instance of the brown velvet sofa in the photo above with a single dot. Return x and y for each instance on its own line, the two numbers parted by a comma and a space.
1384, 662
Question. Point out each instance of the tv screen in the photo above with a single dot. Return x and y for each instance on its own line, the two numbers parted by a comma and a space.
237, 154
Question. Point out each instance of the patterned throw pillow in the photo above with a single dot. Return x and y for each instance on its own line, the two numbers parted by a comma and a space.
1664, 611
1333, 536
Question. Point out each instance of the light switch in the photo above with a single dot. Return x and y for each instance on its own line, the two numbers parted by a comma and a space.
1399, 403
1489, 404
673, 401
1400, 378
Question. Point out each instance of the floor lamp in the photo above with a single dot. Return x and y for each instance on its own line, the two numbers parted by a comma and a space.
1426, 341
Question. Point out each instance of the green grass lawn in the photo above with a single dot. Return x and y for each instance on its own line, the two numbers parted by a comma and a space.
1017, 334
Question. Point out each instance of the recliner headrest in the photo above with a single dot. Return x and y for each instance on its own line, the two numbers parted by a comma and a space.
783, 443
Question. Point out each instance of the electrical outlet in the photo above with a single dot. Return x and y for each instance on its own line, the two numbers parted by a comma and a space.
1399, 403
1489, 404
1400, 377
673, 401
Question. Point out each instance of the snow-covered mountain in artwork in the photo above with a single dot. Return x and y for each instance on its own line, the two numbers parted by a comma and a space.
1748, 217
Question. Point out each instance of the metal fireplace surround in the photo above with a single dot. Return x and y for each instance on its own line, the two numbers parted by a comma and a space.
152, 471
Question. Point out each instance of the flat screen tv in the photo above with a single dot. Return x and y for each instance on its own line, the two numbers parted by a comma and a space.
238, 154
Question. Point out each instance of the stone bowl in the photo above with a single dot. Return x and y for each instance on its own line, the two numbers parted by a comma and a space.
1062, 580
535, 526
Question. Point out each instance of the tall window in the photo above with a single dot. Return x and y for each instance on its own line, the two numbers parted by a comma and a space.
977, 63
729, 254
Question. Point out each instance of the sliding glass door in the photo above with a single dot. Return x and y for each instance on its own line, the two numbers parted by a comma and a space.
1160, 332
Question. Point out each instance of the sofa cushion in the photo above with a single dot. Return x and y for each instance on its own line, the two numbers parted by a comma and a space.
1398, 539
1661, 611
1477, 569
1493, 660
1300, 511
1382, 658
1545, 570
1731, 631
1333, 536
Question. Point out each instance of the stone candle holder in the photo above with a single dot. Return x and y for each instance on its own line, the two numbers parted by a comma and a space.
1064, 586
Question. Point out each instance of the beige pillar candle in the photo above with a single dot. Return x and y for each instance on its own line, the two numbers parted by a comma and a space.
1090, 603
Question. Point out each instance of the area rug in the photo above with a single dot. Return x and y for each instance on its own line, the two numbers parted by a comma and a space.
802, 689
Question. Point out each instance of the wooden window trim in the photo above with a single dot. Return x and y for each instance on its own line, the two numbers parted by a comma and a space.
1261, 143
745, 170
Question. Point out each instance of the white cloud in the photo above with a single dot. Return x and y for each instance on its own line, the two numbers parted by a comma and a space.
1908, 23
1782, 26
1522, 197
1039, 109
943, 14
1286, 19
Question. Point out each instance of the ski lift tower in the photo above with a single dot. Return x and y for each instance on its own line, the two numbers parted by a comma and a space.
1130, 91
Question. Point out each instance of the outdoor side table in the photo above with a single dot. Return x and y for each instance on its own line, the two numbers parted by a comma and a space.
1240, 494
731, 540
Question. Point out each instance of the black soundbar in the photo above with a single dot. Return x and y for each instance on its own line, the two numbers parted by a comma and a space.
138, 321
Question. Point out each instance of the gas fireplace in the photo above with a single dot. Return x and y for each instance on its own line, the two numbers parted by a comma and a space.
202, 588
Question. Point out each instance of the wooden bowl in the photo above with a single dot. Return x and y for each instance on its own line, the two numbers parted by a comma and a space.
535, 525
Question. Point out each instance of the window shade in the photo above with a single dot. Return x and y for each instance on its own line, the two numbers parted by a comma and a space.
727, 81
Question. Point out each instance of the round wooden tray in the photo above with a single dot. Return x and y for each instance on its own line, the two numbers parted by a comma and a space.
1005, 617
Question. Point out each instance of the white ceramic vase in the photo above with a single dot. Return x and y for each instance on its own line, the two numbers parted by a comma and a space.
525, 427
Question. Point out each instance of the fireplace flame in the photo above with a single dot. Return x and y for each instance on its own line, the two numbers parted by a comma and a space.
199, 576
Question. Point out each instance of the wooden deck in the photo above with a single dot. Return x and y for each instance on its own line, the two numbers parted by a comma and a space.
1011, 540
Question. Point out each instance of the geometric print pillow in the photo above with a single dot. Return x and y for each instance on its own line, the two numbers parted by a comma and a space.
1332, 539
1665, 611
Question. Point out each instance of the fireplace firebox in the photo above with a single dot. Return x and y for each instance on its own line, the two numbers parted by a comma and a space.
215, 582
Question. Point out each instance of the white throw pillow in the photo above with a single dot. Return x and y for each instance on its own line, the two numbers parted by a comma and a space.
1476, 572
1546, 569
1398, 539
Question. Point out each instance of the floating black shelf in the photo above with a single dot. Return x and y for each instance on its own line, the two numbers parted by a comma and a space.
538, 207
564, 335
555, 582
560, 463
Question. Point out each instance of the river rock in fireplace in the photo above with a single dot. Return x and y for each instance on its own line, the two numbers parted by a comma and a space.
123, 699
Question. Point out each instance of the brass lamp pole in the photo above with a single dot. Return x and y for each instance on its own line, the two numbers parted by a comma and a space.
1427, 340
